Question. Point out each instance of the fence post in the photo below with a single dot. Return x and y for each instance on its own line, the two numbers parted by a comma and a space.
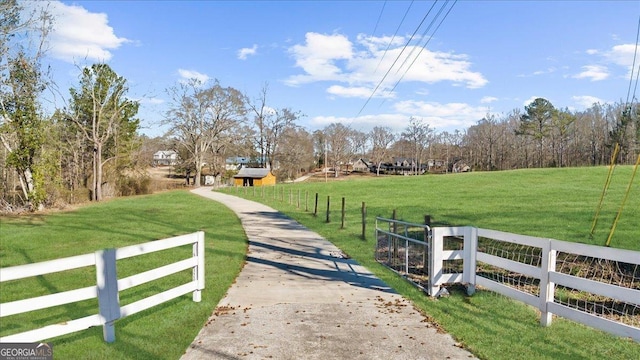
198, 271
435, 260
306, 200
469, 251
328, 207
364, 221
343, 214
298, 206
547, 288
315, 209
107, 285
394, 240
425, 255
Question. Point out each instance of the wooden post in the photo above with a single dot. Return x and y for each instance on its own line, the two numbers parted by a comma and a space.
343, 213
306, 200
328, 207
290, 196
282, 198
315, 209
298, 206
364, 221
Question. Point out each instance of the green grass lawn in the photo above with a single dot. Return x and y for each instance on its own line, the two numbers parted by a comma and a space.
162, 332
554, 203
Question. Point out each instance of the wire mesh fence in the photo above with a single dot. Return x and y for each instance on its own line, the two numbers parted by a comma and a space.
524, 254
404, 247
626, 275
604, 271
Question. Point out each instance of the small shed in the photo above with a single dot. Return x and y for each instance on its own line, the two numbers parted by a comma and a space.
254, 177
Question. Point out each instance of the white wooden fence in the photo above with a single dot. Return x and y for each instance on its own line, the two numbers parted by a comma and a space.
542, 274
107, 287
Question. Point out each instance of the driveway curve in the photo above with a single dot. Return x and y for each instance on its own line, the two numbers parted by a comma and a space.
299, 297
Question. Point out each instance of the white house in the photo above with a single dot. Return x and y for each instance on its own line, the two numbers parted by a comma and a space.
165, 157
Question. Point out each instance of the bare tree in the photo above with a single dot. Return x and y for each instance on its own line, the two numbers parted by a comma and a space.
295, 153
381, 138
418, 133
201, 117
339, 145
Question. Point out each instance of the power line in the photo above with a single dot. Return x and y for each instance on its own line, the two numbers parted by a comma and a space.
393, 37
396, 60
424, 35
379, 17
633, 66
425, 44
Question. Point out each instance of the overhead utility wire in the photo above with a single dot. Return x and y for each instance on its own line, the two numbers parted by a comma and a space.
425, 44
379, 17
393, 37
395, 61
633, 66
424, 35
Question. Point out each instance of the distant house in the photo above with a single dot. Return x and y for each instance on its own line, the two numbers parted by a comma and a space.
165, 157
236, 162
254, 177
361, 165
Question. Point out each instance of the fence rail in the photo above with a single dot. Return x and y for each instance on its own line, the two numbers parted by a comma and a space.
107, 286
593, 285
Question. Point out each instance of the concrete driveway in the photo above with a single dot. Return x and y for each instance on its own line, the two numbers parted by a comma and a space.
298, 297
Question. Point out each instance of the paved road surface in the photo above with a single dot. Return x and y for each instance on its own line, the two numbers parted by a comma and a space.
297, 297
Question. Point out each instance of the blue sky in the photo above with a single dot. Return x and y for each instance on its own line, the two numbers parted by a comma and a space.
325, 58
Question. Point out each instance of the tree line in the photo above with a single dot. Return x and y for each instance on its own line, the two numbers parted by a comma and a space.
91, 148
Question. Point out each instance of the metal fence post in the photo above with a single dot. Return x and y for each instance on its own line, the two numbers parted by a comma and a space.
107, 285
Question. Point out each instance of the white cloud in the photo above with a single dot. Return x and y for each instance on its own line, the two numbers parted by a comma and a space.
592, 51
441, 116
244, 53
317, 57
335, 58
530, 100
152, 101
586, 101
397, 122
80, 34
622, 54
593, 72
488, 99
355, 91
187, 75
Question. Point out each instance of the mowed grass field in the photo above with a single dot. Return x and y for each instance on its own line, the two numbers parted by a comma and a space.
161, 332
551, 203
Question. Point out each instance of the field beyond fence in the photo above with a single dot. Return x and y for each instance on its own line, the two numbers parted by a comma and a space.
546, 203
